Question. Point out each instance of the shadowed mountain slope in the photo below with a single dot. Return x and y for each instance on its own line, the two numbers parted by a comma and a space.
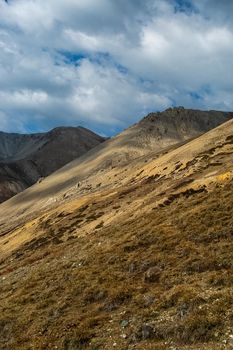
26, 158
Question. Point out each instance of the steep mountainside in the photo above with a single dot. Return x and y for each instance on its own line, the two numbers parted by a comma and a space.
102, 166
181, 124
26, 158
135, 256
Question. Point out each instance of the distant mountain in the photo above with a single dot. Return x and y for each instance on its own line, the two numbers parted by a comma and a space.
154, 133
159, 130
25, 158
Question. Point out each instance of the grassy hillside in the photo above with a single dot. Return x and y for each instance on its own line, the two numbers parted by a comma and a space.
146, 265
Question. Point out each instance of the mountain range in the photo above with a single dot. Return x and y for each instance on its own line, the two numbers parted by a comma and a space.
128, 246
26, 158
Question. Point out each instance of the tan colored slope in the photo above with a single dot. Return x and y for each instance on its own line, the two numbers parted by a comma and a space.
114, 162
143, 265
208, 145
196, 164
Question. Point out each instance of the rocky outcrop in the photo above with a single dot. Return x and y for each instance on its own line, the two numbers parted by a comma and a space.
179, 124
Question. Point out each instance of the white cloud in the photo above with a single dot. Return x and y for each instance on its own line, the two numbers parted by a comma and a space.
108, 95
104, 63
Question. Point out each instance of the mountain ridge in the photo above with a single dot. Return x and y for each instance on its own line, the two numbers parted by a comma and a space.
101, 167
143, 263
25, 158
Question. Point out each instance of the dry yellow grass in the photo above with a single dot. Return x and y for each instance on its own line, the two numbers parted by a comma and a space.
74, 291
145, 265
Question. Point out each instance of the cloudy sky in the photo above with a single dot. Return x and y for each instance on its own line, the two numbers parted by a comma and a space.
104, 64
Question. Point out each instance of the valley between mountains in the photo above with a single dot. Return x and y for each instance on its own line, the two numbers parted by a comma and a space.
128, 246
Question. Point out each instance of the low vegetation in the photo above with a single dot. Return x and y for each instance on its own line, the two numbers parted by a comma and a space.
160, 281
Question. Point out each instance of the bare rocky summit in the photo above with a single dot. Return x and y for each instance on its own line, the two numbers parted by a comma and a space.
158, 131
26, 158
179, 124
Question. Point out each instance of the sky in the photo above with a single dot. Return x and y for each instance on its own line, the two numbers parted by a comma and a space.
104, 64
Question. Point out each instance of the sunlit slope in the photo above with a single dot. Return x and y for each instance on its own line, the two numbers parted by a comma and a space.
196, 165
117, 160
143, 264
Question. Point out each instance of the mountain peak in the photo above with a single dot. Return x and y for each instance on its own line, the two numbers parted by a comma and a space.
25, 158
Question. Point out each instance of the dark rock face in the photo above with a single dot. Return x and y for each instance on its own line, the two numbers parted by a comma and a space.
182, 124
25, 159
